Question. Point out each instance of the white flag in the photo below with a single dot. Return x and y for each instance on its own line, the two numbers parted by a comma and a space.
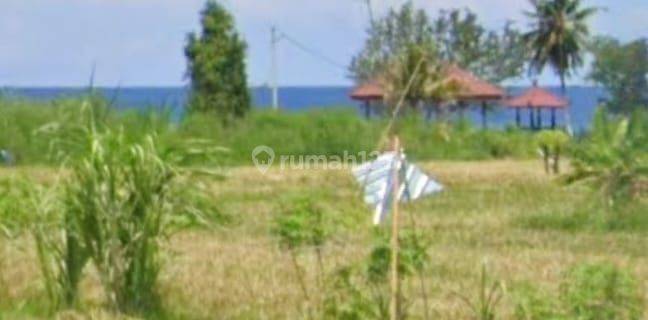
376, 178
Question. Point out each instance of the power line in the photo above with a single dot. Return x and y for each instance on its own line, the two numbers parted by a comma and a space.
311, 51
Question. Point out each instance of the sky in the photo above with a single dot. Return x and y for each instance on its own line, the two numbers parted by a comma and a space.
140, 42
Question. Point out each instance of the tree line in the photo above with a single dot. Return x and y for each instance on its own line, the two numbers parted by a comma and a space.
557, 37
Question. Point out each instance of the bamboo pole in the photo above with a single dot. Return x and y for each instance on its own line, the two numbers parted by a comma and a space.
394, 307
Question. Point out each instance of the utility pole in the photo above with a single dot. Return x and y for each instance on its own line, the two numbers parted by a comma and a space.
274, 85
394, 305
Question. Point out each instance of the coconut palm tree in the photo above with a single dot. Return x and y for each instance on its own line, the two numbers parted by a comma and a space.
558, 35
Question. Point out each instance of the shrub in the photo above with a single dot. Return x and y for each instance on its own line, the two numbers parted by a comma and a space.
113, 209
534, 304
302, 225
348, 300
600, 291
489, 295
117, 201
587, 292
14, 215
33, 131
552, 145
614, 160
362, 291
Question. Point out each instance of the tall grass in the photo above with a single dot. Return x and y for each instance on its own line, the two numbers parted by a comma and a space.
14, 216
117, 203
587, 291
25, 130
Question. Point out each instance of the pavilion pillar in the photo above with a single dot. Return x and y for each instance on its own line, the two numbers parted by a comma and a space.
367, 108
462, 108
553, 118
518, 119
539, 118
531, 119
484, 114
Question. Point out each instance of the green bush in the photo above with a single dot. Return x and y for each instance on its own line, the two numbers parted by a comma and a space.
29, 129
601, 291
587, 292
552, 145
117, 202
534, 304
14, 215
614, 159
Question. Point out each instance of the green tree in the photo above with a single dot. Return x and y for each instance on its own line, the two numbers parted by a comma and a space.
389, 37
216, 65
492, 55
558, 36
454, 36
623, 70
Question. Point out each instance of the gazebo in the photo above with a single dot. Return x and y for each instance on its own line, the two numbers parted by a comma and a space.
474, 90
368, 93
471, 90
535, 100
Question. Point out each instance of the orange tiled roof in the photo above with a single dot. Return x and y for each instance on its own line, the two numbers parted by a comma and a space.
368, 91
537, 98
471, 87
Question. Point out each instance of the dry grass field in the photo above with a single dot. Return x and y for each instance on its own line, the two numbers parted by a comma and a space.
239, 271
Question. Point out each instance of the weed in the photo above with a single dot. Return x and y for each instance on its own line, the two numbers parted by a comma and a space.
600, 291
489, 296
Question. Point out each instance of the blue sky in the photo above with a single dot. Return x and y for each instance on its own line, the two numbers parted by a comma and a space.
139, 42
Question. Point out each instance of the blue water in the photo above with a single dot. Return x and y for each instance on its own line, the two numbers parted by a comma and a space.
294, 99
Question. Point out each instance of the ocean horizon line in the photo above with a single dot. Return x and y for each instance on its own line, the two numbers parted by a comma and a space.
148, 87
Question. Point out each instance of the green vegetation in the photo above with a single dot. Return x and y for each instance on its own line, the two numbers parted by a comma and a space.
126, 214
303, 225
612, 162
37, 132
488, 298
558, 37
361, 290
614, 159
455, 36
622, 69
112, 208
552, 145
428, 85
216, 65
240, 271
588, 292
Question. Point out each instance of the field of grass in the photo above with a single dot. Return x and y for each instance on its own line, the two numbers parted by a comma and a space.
491, 213
29, 130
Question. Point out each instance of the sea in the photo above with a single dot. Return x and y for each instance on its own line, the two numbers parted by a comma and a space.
584, 101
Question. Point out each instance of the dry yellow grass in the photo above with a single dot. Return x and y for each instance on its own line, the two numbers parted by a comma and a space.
239, 271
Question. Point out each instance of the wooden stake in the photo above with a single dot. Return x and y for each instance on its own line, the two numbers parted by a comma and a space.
394, 307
